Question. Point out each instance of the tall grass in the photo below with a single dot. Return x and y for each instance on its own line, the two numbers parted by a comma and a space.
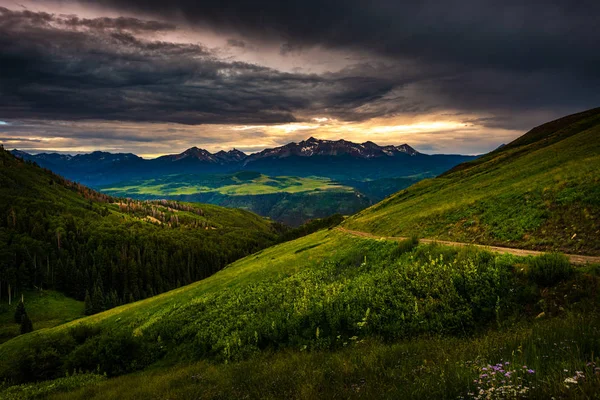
424, 368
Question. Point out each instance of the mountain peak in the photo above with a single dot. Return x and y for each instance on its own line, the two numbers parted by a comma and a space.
317, 147
231, 156
405, 148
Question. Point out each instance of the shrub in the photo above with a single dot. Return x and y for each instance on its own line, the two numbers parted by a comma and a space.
406, 246
43, 359
112, 352
549, 269
83, 332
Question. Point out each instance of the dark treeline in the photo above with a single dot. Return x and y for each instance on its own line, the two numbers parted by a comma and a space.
58, 234
310, 227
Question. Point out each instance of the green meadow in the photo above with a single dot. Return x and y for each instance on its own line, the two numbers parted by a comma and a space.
46, 309
290, 200
241, 183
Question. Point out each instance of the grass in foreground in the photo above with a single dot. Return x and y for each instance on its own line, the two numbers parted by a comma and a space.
544, 359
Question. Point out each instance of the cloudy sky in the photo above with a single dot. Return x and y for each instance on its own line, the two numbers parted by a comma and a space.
154, 77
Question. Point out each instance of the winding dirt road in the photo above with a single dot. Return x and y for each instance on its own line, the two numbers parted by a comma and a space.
574, 258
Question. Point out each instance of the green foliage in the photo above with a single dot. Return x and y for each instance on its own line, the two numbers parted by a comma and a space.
311, 226
89, 307
550, 269
539, 192
406, 246
44, 389
424, 368
98, 304
112, 352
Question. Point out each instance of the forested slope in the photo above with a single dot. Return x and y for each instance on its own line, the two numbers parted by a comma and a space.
58, 234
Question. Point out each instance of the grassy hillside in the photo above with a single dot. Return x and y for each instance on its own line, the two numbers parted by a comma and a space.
46, 309
322, 291
541, 191
331, 292
60, 235
290, 200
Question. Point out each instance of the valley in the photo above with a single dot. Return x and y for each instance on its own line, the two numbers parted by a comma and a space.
377, 302
290, 200
291, 184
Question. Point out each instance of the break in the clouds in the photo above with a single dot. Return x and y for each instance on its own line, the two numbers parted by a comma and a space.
154, 77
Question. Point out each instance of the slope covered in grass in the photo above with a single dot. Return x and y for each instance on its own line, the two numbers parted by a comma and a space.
45, 308
541, 191
325, 291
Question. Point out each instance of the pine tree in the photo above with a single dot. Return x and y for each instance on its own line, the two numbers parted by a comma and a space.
98, 300
89, 306
26, 325
19, 311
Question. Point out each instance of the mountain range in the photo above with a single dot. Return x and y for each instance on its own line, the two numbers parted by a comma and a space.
339, 160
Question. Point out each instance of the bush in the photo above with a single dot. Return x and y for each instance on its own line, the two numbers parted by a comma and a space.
406, 246
43, 359
112, 353
549, 269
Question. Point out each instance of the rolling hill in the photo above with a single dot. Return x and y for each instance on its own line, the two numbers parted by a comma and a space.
332, 314
541, 191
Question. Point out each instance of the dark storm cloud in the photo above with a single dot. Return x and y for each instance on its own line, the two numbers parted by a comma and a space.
23, 18
121, 23
500, 58
504, 55
488, 33
52, 71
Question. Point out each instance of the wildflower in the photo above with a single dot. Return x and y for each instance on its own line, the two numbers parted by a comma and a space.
571, 380
531, 371
483, 375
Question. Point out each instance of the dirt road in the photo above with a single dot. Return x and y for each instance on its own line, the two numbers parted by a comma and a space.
574, 258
